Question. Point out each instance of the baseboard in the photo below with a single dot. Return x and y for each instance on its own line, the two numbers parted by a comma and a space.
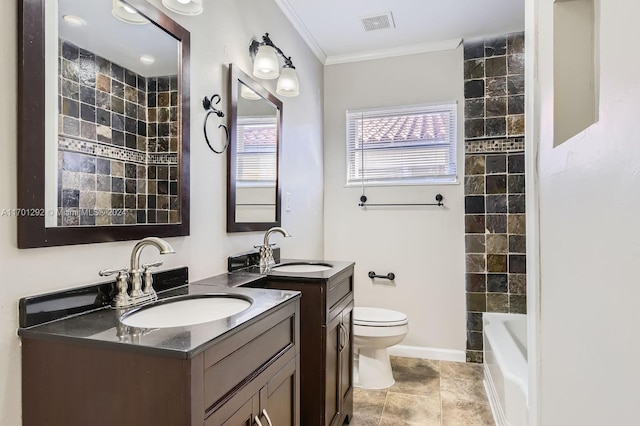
427, 353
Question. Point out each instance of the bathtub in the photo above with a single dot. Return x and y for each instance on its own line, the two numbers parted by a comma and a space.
505, 367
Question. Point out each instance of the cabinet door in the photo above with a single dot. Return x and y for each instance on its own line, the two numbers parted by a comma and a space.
279, 398
346, 363
245, 416
335, 339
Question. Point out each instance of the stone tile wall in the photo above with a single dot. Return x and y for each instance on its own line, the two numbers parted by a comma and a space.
117, 143
494, 182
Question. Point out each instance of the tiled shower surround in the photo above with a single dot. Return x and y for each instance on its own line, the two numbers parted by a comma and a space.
494, 182
117, 143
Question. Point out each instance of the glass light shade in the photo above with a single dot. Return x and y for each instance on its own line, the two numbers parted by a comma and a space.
188, 7
247, 93
74, 21
127, 14
288, 83
265, 65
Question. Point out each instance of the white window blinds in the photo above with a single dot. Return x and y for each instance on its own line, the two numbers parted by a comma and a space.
402, 145
256, 162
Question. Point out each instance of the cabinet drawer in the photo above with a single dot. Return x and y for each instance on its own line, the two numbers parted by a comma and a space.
224, 374
339, 291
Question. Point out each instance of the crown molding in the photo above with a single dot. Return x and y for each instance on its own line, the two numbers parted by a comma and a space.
299, 26
389, 53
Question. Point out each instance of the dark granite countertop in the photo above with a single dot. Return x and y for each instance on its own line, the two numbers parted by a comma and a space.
101, 327
337, 268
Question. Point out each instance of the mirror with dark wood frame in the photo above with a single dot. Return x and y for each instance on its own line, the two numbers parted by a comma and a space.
103, 122
253, 189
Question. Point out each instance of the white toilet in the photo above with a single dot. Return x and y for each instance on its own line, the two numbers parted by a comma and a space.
375, 330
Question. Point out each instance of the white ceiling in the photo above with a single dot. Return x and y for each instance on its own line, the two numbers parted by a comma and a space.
117, 41
333, 30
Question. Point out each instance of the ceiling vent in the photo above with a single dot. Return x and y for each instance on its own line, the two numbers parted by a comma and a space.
377, 22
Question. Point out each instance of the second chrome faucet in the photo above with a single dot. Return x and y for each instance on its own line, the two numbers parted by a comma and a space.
138, 294
266, 251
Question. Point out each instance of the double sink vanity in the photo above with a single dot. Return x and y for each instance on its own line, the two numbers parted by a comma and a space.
244, 348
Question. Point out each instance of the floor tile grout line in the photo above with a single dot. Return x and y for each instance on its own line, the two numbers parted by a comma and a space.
440, 391
384, 404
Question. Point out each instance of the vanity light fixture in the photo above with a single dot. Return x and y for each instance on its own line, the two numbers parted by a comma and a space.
184, 7
267, 67
128, 14
74, 21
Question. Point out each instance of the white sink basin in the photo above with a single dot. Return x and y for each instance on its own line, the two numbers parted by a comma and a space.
184, 311
302, 267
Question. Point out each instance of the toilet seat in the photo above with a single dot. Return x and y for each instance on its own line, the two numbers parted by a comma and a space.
378, 317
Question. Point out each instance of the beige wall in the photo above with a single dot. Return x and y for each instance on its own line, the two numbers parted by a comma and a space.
589, 224
219, 36
424, 246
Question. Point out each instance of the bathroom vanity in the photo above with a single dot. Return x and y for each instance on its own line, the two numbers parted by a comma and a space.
285, 360
326, 354
91, 369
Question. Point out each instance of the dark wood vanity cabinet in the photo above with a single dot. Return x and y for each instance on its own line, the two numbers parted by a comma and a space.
249, 373
275, 403
326, 353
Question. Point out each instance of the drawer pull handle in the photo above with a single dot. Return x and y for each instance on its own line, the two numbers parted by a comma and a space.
344, 337
256, 420
266, 416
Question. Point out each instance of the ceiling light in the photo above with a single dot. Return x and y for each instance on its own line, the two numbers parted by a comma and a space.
74, 21
126, 13
184, 7
266, 66
147, 59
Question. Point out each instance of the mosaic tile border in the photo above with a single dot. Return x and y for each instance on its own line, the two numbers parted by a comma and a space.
111, 152
162, 158
493, 145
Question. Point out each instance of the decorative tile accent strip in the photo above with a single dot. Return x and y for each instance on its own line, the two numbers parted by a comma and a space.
162, 158
493, 145
107, 151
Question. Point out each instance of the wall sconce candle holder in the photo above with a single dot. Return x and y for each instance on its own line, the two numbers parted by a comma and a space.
267, 67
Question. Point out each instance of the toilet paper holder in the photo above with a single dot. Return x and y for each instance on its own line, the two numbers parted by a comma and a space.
390, 276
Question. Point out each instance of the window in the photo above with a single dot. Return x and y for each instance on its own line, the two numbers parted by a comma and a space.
402, 145
256, 163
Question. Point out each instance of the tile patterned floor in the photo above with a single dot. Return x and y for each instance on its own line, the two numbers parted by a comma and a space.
426, 393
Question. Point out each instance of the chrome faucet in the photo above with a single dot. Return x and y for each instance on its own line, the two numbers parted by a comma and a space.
266, 252
138, 294
136, 273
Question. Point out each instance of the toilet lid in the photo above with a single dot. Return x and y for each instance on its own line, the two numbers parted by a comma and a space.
378, 317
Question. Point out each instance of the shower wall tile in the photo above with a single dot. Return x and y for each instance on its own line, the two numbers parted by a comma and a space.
475, 243
497, 302
113, 124
495, 241
474, 321
476, 283
494, 78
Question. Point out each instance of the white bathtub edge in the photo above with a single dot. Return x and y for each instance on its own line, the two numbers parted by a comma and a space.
513, 365
492, 396
427, 353
505, 368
